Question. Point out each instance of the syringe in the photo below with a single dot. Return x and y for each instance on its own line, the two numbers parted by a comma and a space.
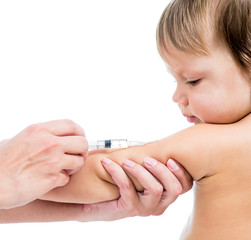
113, 143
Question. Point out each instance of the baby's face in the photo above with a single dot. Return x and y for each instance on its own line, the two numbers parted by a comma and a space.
210, 89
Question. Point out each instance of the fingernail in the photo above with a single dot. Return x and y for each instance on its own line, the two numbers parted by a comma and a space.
172, 165
106, 161
150, 162
129, 163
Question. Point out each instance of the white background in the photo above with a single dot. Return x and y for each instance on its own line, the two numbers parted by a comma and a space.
94, 62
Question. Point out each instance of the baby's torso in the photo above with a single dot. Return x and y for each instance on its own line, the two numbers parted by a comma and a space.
222, 208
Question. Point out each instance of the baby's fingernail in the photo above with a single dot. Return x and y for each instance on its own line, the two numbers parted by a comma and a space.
172, 165
150, 162
129, 163
106, 161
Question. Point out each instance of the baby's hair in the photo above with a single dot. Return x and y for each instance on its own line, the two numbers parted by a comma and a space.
186, 25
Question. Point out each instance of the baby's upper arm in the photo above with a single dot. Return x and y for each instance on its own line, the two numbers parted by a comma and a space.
206, 149
200, 149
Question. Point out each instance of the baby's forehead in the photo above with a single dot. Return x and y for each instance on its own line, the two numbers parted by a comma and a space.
187, 65
171, 54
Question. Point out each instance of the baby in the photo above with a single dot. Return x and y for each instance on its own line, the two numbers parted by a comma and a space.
206, 45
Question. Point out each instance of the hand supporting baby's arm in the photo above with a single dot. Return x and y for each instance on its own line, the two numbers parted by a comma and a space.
93, 184
201, 149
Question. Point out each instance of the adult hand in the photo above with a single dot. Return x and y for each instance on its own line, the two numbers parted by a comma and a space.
38, 159
162, 186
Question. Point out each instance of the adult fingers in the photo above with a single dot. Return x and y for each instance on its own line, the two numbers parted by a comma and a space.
62, 127
62, 179
181, 174
160, 171
170, 183
127, 190
71, 163
74, 144
153, 190
128, 205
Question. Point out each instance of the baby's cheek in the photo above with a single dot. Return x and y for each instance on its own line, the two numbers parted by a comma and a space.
200, 108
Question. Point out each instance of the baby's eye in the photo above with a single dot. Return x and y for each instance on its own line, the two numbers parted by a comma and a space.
194, 82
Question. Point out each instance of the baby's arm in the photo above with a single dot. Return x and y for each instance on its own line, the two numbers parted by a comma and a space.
201, 149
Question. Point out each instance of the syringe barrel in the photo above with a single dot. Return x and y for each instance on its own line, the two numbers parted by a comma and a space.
113, 144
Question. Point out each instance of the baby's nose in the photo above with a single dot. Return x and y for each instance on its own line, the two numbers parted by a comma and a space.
180, 98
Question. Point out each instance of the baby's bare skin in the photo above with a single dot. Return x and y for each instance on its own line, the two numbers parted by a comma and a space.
216, 156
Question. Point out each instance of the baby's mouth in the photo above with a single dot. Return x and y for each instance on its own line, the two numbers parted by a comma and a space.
191, 118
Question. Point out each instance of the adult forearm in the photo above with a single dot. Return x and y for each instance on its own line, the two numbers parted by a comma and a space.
41, 211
